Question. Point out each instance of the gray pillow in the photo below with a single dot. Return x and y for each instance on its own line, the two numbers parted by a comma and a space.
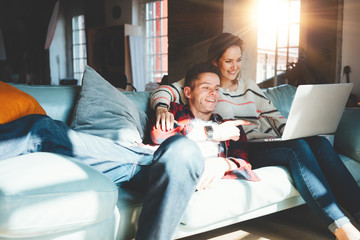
104, 111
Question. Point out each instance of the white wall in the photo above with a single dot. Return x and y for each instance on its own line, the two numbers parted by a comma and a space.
351, 42
239, 19
57, 53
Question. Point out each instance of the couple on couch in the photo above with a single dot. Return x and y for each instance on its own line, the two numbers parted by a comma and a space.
170, 174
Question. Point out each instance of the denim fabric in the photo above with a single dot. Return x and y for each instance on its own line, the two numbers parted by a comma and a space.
167, 176
318, 173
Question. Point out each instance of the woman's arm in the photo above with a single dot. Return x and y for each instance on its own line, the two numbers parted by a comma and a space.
165, 94
160, 100
268, 110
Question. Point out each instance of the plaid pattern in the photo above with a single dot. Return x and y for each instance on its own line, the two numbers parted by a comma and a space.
233, 150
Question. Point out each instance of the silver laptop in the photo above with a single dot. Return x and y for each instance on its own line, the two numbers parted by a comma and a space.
315, 110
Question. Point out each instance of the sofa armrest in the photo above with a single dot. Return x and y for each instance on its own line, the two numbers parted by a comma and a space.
347, 136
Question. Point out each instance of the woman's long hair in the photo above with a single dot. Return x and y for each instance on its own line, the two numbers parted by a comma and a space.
220, 44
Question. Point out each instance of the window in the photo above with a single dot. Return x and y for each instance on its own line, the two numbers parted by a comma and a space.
79, 46
278, 36
156, 40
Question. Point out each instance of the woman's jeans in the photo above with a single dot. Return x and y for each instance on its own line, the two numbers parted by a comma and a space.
318, 173
168, 176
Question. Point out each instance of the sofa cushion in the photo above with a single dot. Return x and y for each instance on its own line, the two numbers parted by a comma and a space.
104, 111
229, 198
282, 97
347, 139
16, 103
44, 193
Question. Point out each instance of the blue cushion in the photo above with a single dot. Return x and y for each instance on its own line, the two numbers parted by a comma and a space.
347, 139
104, 111
282, 97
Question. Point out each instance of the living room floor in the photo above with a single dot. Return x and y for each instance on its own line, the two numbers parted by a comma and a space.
298, 223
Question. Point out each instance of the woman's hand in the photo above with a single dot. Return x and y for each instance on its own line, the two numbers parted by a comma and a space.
215, 169
164, 119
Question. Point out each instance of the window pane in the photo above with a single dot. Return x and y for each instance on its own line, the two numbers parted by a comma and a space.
79, 47
164, 63
294, 35
149, 28
158, 9
165, 9
283, 36
267, 38
76, 52
164, 26
294, 12
165, 44
156, 40
293, 54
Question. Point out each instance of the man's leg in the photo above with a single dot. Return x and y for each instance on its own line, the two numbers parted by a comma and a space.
17, 137
173, 176
40, 133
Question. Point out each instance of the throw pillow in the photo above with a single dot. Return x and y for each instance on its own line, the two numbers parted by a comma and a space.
104, 111
16, 103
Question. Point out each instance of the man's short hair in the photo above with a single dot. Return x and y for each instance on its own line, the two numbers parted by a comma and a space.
193, 73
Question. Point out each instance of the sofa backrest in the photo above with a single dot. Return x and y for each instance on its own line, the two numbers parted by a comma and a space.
57, 101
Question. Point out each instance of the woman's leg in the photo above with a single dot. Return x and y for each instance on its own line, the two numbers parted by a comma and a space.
310, 181
342, 183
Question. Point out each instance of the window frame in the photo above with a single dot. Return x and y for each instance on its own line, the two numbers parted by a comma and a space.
280, 53
156, 40
78, 46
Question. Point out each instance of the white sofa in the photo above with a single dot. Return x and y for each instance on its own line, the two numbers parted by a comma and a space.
50, 196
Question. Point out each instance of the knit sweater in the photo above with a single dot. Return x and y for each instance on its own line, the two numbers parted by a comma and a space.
246, 103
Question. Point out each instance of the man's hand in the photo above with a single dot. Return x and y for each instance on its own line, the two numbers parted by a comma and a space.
228, 130
165, 118
214, 170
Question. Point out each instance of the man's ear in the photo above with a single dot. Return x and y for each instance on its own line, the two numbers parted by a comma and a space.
187, 92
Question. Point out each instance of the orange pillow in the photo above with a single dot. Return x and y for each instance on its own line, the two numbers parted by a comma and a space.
15, 103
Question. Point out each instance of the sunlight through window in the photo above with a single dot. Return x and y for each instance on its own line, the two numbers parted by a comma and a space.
278, 36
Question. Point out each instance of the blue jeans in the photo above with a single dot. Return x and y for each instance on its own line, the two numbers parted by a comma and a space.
318, 173
167, 176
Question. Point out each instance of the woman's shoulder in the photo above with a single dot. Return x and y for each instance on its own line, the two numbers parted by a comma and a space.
179, 84
246, 84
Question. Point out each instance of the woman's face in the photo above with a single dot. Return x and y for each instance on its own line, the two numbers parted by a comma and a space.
229, 63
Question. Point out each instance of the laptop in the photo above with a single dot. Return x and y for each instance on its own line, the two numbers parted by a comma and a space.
315, 110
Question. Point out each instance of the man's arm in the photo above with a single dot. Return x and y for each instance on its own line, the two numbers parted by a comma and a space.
222, 132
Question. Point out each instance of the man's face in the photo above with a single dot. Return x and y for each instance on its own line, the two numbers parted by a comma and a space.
205, 94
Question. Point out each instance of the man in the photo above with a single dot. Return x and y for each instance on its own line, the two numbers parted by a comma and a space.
167, 191
211, 133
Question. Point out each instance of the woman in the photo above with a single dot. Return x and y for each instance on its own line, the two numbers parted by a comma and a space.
319, 174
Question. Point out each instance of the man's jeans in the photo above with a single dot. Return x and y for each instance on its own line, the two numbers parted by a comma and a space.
168, 176
318, 173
